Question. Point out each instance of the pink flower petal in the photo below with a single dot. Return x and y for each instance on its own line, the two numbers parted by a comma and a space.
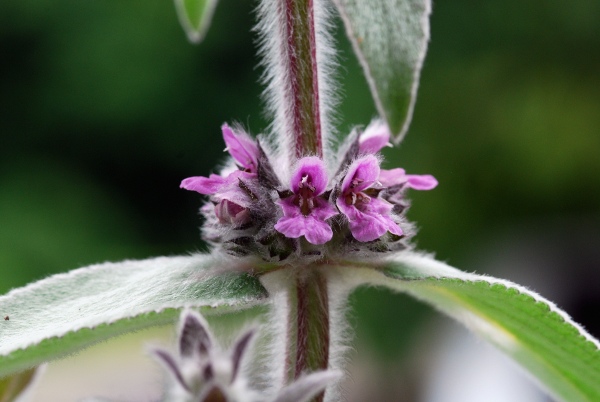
221, 188
234, 194
349, 210
288, 207
323, 210
361, 175
313, 169
315, 231
294, 224
367, 228
241, 147
392, 177
203, 185
377, 206
382, 210
369, 221
374, 138
290, 226
421, 182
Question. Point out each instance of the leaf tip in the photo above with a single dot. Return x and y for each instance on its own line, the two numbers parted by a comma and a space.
195, 17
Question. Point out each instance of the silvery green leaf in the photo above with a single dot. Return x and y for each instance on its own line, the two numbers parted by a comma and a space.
195, 17
533, 331
63, 313
390, 39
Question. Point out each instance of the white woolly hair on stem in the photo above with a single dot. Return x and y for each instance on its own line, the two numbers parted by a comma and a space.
278, 95
341, 334
277, 284
327, 74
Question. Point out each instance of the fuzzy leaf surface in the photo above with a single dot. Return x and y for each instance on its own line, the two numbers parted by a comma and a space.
195, 17
533, 331
390, 39
67, 312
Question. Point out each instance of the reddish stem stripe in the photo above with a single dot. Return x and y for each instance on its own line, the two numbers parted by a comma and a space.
303, 77
302, 328
312, 326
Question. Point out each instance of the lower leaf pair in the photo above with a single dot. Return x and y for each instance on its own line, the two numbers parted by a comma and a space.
109, 299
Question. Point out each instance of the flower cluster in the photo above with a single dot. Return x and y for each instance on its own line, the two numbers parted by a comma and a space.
254, 211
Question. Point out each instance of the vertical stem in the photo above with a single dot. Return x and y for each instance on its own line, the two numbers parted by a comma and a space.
296, 71
303, 75
308, 332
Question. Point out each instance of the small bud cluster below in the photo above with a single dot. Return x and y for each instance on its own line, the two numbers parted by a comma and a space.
252, 211
203, 372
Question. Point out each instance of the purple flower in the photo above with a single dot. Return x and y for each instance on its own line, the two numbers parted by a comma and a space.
230, 191
231, 199
304, 212
374, 138
368, 217
245, 152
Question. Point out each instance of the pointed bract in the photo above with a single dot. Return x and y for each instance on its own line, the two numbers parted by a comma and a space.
307, 387
194, 336
171, 365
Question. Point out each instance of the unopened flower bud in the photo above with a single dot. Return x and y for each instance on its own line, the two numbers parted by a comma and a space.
231, 213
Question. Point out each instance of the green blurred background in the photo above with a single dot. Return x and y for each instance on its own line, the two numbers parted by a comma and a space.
105, 107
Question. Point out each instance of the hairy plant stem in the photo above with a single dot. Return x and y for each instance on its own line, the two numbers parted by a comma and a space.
308, 325
308, 320
303, 76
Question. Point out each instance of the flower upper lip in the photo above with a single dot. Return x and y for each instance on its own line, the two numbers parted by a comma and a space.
233, 186
241, 147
